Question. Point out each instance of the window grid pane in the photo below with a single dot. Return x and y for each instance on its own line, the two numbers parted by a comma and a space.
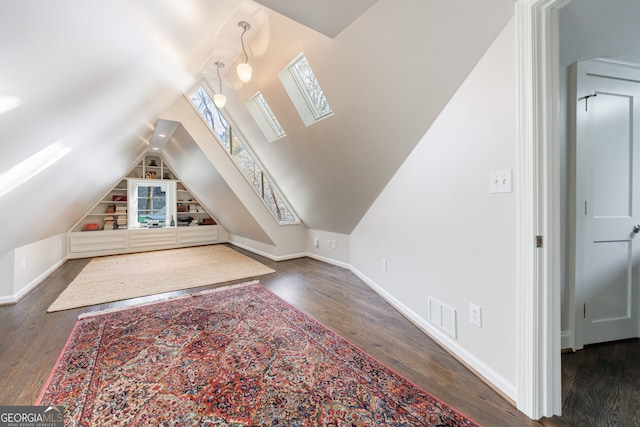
310, 87
243, 159
268, 114
152, 203
214, 118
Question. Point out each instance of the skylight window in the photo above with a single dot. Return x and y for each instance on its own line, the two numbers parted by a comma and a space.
304, 90
264, 117
244, 159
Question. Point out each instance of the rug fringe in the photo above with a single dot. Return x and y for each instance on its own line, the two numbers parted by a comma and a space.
192, 295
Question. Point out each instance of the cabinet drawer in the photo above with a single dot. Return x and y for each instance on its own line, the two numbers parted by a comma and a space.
148, 238
197, 235
96, 241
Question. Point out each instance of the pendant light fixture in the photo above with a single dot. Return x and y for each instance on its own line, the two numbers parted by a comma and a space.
244, 69
219, 99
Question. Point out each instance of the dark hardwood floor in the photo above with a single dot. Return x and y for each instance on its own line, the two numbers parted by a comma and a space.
31, 339
601, 385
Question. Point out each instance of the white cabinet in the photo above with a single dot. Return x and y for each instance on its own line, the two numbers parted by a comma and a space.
84, 244
98, 241
108, 229
153, 238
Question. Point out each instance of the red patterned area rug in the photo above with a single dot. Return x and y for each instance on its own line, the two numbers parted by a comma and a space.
239, 356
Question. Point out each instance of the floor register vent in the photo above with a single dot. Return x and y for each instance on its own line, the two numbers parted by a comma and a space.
442, 316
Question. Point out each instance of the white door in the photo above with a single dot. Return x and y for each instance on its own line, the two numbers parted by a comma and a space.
607, 202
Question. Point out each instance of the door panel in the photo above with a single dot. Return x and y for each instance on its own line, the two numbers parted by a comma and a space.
607, 206
610, 288
611, 146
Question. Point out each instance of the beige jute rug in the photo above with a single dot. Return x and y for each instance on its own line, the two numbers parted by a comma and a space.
118, 277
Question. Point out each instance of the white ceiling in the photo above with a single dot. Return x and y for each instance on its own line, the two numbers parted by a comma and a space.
92, 78
328, 17
600, 28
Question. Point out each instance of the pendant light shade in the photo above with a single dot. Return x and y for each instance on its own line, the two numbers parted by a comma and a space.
219, 99
244, 69
244, 72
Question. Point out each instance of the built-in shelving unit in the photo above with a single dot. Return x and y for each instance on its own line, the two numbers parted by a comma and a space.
107, 228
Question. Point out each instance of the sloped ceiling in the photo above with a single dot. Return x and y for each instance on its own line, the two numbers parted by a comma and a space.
328, 17
83, 83
81, 86
386, 76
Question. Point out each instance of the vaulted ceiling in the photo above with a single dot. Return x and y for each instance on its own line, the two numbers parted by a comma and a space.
83, 83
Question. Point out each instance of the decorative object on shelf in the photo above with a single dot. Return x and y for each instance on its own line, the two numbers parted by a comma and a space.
219, 99
244, 69
109, 223
184, 221
111, 213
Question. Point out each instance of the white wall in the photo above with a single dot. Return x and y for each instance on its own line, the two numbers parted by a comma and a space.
441, 232
329, 247
25, 267
6, 277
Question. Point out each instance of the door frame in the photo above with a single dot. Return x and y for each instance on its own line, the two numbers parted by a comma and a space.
538, 269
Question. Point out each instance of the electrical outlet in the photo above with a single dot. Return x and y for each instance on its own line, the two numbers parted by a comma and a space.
475, 315
384, 265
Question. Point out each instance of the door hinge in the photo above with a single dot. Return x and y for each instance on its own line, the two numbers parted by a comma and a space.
585, 207
584, 311
586, 100
538, 241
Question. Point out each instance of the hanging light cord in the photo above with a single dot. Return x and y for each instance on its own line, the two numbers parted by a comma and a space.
246, 57
219, 79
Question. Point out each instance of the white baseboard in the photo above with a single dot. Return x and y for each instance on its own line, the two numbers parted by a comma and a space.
484, 372
566, 340
329, 260
7, 300
13, 299
265, 254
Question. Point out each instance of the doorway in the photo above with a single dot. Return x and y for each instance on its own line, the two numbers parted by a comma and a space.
607, 213
539, 269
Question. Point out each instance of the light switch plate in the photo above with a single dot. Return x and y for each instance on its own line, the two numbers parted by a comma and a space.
500, 181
